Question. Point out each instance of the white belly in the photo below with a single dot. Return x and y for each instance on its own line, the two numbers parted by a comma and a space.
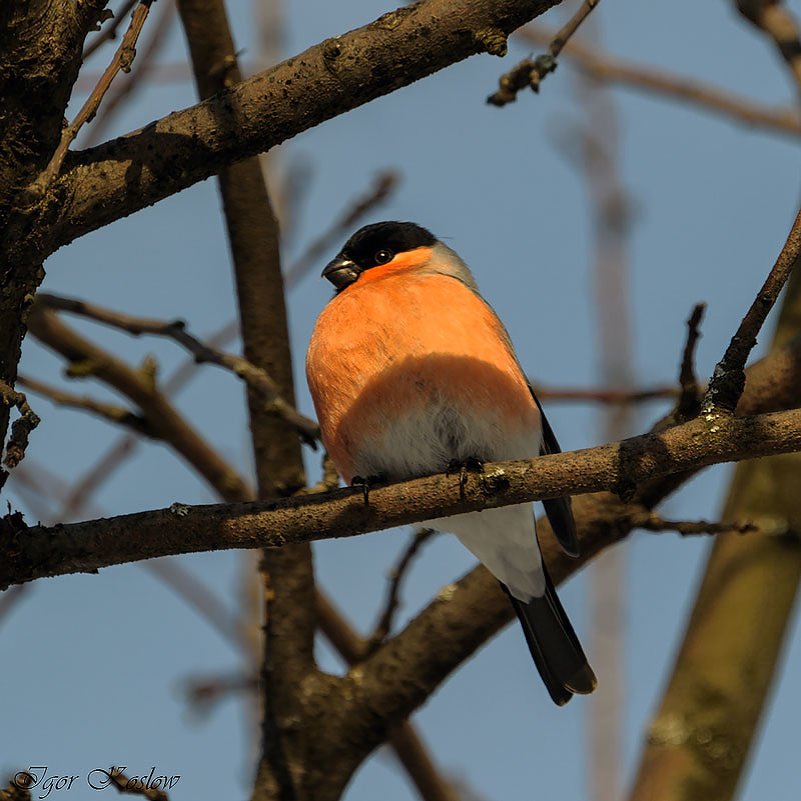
425, 442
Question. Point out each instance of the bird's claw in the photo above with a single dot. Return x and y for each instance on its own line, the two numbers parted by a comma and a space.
470, 465
367, 484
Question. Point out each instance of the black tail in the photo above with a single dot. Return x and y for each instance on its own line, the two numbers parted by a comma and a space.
554, 645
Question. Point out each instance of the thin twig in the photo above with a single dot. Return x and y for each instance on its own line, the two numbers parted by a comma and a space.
612, 395
396, 576
256, 378
122, 60
114, 414
690, 398
137, 78
385, 183
691, 528
21, 428
531, 72
105, 466
728, 381
110, 31
202, 693
138, 385
605, 67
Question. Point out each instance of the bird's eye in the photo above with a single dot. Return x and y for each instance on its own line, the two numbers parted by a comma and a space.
383, 256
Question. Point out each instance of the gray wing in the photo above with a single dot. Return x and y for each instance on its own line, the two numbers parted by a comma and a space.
558, 510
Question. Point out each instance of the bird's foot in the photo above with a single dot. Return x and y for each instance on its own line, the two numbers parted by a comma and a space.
367, 484
470, 465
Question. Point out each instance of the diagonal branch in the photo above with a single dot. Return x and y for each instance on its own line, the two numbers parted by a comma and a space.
531, 72
328, 79
138, 385
113, 414
122, 60
728, 380
256, 378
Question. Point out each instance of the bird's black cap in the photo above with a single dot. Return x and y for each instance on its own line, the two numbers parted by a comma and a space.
396, 237
373, 245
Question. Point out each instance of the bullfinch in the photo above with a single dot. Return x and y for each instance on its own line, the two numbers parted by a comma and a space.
412, 373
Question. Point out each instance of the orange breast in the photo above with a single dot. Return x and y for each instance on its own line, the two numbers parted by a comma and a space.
419, 350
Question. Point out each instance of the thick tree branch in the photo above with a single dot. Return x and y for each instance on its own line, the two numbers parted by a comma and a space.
124, 175
88, 546
289, 765
701, 735
35, 85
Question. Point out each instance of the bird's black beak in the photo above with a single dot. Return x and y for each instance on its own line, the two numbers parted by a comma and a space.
341, 272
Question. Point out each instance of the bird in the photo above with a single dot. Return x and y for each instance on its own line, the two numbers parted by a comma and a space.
412, 373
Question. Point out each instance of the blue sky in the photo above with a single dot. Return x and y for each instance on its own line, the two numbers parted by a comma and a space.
95, 666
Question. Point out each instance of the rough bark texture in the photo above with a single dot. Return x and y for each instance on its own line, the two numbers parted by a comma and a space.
288, 743
115, 179
40, 47
681, 450
701, 736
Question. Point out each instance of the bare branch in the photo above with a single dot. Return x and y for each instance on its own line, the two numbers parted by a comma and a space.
124, 90
690, 399
255, 377
21, 428
604, 394
113, 414
328, 79
403, 738
776, 21
656, 523
728, 381
135, 786
277, 523
110, 31
125, 445
531, 72
384, 625
603, 66
138, 385
122, 60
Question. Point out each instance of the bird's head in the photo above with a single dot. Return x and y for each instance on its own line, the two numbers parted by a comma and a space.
389, 245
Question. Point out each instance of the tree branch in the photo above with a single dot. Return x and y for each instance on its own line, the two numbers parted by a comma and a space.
531, 72
728, 381
138, 385
605, 67
122, 60
333, 77
256, 378
113, 414
44, 551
